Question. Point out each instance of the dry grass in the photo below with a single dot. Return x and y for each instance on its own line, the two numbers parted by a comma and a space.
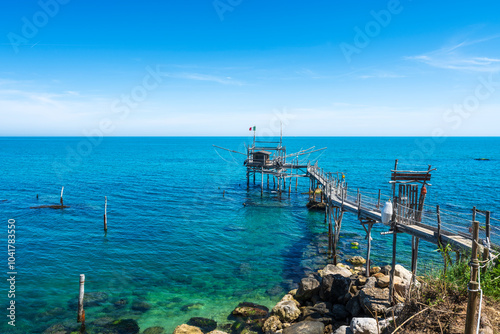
442, 310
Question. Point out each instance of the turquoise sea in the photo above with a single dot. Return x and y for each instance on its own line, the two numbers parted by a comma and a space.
176, 243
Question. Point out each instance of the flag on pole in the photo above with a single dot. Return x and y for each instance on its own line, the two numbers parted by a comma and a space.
252, 128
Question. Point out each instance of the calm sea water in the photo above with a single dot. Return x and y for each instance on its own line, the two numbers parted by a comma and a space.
174, 240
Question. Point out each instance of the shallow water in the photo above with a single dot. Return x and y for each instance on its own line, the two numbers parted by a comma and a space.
174, 240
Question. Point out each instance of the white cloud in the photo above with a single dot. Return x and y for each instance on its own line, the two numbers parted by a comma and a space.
458, 57
206, 77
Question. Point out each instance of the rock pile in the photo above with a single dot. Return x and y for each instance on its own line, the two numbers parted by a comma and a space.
338, 299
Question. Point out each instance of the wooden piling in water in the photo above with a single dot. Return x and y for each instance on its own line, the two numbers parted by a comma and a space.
81, 311
393, 268
105, 214
61, 200
414, 256
262, 183
369, 234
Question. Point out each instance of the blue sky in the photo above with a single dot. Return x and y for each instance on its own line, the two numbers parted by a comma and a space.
329, 68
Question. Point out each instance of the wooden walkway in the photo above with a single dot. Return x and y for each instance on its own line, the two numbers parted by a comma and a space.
369, 209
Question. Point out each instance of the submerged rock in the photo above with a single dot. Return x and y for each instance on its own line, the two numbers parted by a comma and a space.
250, 310
123, 326
357, 261
305, 327
141, 306
192, 306
89, 299
206, 325
154, 330
120, 302
186, 329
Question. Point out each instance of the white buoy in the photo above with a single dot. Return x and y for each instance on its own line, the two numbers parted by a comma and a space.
387, 212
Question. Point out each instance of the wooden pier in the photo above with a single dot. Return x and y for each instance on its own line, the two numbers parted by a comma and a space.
408, 212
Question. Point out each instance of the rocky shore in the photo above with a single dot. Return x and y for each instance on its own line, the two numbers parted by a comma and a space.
337, 299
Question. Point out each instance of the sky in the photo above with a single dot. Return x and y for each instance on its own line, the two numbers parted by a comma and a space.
215, 68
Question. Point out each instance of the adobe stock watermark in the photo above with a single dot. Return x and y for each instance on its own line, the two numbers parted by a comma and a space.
223, 6
373, 28
121, 109
455, 116
31, 26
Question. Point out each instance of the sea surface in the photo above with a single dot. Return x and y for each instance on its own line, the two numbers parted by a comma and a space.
175, 242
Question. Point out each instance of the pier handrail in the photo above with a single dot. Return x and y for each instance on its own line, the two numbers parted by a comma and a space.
448, 224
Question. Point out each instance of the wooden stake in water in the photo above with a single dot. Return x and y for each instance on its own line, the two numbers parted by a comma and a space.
81, 311
105, 214
62, 190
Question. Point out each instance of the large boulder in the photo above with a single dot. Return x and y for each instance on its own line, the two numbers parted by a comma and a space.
334, 287
308, 287
354, 307
305, 327
374, 300
289, 297
343, 330
287, 311
402, 272
272, 325
319, 312
383, 281
206, 325
186, 329
339, 312
364, 326
331, 269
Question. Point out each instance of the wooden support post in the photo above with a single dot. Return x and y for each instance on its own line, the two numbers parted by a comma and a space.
262, 182
486, 253
289, 187
393, 268
357, 196
314, 191
254, 177
81, 311
330, 244
267, 181
326, 212
470, 319
439, 226
368, 250
61, 200
378, 202
105, 214
296, 183
338, 225
274, 182
414, 256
